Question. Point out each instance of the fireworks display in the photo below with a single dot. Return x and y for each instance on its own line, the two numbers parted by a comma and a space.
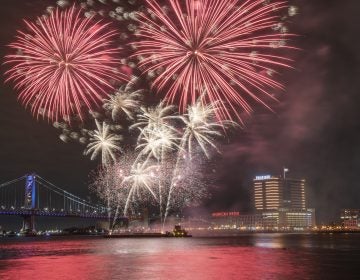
124, 102
129, 185
212, 60
156, 142
142, 176
103, 142
223, 48
202, 127
63, 63
151, 117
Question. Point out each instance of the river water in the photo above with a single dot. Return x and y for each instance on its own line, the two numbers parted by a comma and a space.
256, 256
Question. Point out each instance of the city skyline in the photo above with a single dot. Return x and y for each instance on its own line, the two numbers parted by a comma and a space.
314, 131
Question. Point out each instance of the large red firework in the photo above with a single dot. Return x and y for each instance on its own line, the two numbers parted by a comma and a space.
64, 63
223, 50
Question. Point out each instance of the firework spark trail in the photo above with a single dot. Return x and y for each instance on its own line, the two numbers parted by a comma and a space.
64, 63
125, 101
125, 182
157, 143
157, 137
221, 47
190, 183
142, 176
153, 117
107, 182
118, 172
201, 128
104, 142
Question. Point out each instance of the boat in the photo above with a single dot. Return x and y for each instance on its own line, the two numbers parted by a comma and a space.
177, 232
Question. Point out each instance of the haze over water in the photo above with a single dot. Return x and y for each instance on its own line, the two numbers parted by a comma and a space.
258, 256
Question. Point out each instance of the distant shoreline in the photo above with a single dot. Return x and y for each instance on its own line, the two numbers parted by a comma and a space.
196, 233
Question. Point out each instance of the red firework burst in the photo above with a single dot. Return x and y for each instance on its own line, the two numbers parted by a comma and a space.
224, 50
63, 64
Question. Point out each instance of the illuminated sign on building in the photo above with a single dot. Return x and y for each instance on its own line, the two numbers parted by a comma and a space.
225, 214
264, 177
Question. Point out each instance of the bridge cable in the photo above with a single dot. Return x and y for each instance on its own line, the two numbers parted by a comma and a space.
12, 181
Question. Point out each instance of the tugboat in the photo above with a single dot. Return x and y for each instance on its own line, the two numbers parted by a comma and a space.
178, 232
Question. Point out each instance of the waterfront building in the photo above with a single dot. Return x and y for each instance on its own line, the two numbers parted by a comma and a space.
282, 219
350, 218
281, 203
289, 219
235, 220
275, 192
268, 192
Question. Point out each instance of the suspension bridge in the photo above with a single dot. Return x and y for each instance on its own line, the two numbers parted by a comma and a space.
31, 195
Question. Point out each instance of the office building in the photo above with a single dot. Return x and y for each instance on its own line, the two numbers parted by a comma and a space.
274, 192
281, 203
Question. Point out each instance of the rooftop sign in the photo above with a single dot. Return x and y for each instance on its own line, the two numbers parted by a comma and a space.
225, 214
263, 177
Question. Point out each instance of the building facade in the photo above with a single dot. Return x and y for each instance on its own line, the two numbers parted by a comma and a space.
235, 220
289, 219
281, 203
350, 218
268, 193
274, 192
282, 219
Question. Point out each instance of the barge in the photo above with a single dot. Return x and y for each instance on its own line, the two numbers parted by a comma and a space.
178, 232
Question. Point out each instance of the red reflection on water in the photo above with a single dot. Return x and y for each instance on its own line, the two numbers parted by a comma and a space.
227, 263
125, 259
59, 267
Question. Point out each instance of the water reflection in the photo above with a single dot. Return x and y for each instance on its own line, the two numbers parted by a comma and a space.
244, 257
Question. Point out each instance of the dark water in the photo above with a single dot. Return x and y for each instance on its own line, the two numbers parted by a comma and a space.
259, 256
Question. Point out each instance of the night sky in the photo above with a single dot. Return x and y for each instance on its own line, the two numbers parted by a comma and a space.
315, 131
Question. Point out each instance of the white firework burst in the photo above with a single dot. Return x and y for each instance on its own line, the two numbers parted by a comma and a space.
125, 101
153, 117
142, 177
202, 127
158, 141
103, 142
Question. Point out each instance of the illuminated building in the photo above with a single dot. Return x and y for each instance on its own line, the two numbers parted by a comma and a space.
282, 219
272, 193
235, 220
280, 205
296, 193
350, 218
289, 219
268, 192
281, 202
296, 218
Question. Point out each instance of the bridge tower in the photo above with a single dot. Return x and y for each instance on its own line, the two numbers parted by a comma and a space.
30, 199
